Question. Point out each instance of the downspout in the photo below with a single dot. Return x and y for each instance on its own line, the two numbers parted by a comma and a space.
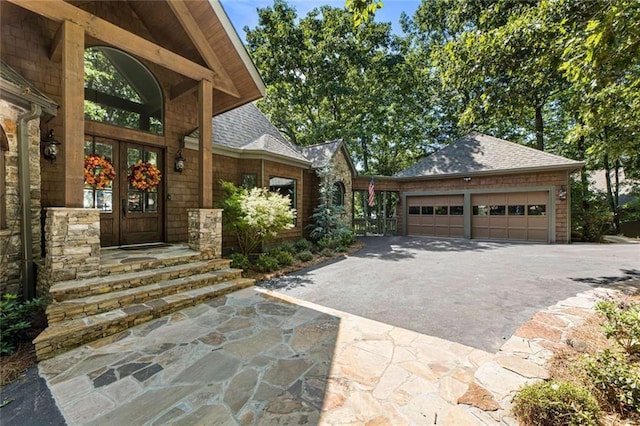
24, 184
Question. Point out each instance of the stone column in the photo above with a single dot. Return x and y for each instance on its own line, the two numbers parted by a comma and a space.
205, 232
72, 244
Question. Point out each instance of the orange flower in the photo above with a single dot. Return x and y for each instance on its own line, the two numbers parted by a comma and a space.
98, 171
143, 175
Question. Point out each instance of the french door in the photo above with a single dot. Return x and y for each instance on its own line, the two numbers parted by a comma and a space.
128, 214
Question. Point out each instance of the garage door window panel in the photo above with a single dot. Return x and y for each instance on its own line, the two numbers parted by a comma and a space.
456, 210
497, 210
427, 210
517, 210
414, 210
480, 210
537, 210
442, 210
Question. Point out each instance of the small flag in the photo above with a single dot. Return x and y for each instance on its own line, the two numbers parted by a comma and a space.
372, 193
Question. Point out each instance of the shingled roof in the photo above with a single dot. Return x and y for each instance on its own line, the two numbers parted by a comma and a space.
321, 154
246, 128
477, 153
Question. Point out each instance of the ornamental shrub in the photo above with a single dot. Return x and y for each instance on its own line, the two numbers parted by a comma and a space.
240, 261
267, 263
15, 319
305, 255
622, 324
326, 252
555, 404
615, 380
303, 245
255, 216
284, 257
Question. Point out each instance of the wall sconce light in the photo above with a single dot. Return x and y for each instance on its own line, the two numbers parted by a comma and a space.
178, 165
467, 179
562, 194
50, 147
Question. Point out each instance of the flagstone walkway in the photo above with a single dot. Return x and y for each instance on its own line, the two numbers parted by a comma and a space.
255, 357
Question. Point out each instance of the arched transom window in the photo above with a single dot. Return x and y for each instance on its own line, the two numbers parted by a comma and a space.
119, 90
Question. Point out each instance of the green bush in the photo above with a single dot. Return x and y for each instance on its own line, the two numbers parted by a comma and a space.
616, 381
341, 249
347, 238
303, 245
622, 324
327, 243
284, 258
555, 403
326, 252
15, 319
305, 255
287, 247
240, 261
267, 263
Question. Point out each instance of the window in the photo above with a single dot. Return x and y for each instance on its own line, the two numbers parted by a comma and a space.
480, 210
414, 209
338, 194
4, 146
456, 210
99, 198
442, 210
537, 210
427, 209
119, 90
249, 180
517, 210
286, 187
497, 210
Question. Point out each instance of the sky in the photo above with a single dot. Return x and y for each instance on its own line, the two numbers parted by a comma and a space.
243, 12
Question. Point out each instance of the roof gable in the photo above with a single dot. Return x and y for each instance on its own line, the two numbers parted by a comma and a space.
19, 89
322, 154
479, 153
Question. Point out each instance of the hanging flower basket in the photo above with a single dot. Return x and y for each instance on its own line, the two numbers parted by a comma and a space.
143, 175
98, 171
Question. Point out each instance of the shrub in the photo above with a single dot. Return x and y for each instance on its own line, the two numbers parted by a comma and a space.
622, 324
555, 403
303, 245
327, 243
284, 258
341, 249
615, 380
326, 252
305, 255
15, 319
267, 263
255, 216
240, 261
347, 238
287, 247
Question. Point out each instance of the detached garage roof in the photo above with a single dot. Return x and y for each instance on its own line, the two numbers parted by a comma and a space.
477, 153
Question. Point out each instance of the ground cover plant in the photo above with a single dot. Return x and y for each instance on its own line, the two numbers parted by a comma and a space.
600, 363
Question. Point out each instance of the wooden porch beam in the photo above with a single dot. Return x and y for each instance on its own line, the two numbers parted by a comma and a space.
183, 88
60, 11
55, 52
72, 52
223, 81
205, 161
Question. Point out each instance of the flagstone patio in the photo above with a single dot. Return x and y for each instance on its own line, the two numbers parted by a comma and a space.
253, 358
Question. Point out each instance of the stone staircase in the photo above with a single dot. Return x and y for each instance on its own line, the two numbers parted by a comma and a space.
131, 293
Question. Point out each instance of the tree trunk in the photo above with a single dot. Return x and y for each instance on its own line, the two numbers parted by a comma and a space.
365, 155
539, 128
613, 206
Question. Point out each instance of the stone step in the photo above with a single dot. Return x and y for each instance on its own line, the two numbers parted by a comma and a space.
145, 263
70, 334
99, 303
69, 290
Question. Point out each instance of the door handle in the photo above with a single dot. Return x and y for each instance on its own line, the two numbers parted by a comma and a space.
125, 207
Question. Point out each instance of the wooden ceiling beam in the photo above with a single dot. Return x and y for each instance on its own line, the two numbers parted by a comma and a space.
60, 11
223, 81
55, 52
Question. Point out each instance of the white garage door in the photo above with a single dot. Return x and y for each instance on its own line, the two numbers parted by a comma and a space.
518, 216
437, 215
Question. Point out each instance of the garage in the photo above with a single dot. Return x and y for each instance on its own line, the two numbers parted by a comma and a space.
438, 215
488, 188
518, 216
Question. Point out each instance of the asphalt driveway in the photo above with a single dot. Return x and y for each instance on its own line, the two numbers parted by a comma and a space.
471, 292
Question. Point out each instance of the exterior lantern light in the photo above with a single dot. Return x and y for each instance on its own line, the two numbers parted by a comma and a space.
467, 179
179, 162
562, 194
50, 147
